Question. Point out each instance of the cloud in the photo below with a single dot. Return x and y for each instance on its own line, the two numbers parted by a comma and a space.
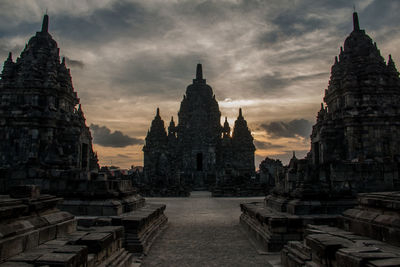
74, 63
104, 137
266, 145
123, 156
129, 56
294, 128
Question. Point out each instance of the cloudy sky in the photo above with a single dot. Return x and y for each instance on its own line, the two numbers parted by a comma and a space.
270, 57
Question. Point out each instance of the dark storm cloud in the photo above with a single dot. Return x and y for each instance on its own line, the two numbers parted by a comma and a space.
104, 137
294, 128
277, 82
121, 20
74, 63
265, 145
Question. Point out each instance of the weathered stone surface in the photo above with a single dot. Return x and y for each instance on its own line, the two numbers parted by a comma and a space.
377, 216
331, 246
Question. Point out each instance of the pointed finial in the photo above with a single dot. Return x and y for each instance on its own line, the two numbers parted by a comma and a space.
226, 119
240, 112
9, 56
322, 105
63, 61
294, 154
158, 112
391, 64
341, 49
172, 118
45, 24
199, 72
356, 24
336, 60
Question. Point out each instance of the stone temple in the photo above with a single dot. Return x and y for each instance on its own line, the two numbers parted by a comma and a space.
354, 149
42, 133
198, 151
45, 146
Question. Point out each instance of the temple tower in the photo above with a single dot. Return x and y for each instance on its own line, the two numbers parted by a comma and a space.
155, 150
199, 131
243, 147
43, 132
359, 123
199, 150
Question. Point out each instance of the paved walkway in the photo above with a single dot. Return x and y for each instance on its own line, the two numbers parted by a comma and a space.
204, 231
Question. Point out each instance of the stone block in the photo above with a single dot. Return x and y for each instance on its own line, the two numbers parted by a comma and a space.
32, 240
96, 242
37, 222
16, 264
11, 246
47, 233
57, 217
392, 262
29, 256
87, 221
80, 251
25, 191
13, 211
64, 228
58, 259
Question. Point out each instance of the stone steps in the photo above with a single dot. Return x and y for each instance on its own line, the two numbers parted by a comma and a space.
331, 246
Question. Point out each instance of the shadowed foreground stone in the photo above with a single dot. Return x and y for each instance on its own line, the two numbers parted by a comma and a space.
368, 236
33, 232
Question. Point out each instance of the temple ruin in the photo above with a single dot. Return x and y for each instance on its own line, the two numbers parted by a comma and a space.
354, 149
46, 146
198, 151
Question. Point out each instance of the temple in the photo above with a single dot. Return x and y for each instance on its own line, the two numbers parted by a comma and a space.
42, 131
46, 147
354, 148
198, 150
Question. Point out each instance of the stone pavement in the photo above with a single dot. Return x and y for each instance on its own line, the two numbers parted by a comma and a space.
205, 231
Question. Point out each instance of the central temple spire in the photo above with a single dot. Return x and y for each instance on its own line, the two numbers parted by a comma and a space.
199, 74
45, 25
356, 24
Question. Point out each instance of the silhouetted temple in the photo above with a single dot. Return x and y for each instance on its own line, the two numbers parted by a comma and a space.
198, 149
42, 133
355, 148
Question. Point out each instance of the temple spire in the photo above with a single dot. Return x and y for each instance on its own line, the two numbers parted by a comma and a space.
199, 72
391, 65
158, 112
240, 112
45, 24
356, 24
9, 57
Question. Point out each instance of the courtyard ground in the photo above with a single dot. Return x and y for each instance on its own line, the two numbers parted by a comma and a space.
205, 231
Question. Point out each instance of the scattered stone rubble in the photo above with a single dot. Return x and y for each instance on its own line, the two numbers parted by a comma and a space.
354, 149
